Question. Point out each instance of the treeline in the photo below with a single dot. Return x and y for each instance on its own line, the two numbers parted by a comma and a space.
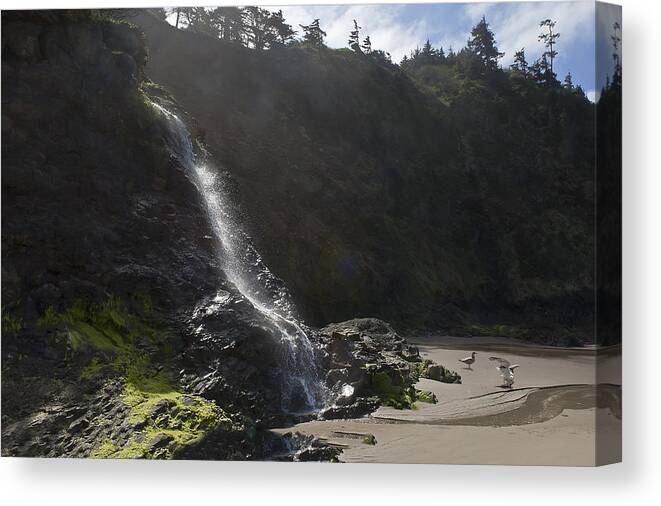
481, 56
249, 26
261, 29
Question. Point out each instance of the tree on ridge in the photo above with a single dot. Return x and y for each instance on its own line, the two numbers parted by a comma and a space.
483, 44
313, 35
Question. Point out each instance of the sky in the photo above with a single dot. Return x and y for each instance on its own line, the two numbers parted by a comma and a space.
400, 28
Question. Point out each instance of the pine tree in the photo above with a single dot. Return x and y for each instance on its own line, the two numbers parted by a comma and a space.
313, 34
185, 17
428, 49
549, 39
483, 44
367, 45
231, 23
542, 73
567, 83
430, 54
199, 20
354, 38
279, 33
520, 64
256, 26
177, 11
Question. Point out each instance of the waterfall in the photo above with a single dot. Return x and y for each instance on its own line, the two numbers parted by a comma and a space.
243, 266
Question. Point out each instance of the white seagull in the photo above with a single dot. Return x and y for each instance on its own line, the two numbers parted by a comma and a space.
468, 361
506, 370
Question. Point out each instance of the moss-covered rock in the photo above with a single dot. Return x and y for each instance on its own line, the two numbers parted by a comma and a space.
165, 421
367, 355
430, 370
370, 439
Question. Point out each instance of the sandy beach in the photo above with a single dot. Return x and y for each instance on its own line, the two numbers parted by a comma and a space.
549, 417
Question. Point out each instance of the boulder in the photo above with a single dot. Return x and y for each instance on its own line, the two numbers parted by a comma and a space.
160, 441
368, 356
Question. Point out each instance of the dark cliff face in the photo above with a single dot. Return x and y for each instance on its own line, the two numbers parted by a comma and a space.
324, 151
85, 168
424, 197
121, 336
106, 255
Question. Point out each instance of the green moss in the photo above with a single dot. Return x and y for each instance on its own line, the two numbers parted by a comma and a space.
111, 331
425, 396
163, 412
369, 439
105, 326
398, 397
422, 370
49, 318
92, 369
145, 301
10, 323
392, 395
105, 450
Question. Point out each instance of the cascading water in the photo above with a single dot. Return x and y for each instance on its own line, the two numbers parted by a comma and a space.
243, 266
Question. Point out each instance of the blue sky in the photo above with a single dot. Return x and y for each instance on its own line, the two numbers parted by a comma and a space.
399, 28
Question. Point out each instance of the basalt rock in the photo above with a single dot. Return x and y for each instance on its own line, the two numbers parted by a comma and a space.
369, 364
110, 281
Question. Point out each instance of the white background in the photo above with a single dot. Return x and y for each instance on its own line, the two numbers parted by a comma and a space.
635, 482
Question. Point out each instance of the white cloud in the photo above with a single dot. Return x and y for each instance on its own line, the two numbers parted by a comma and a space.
518, 26
475, 11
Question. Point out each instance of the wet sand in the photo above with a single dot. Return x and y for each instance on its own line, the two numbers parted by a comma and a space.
549, 417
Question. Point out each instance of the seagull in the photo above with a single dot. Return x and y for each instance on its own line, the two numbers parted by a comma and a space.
468, 361
506, 370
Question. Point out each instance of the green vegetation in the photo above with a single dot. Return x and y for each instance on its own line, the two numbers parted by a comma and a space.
398, 397
11, 324
431, 370
168, 419
92, 370
425, 396
370, 440
110, 332
106, 326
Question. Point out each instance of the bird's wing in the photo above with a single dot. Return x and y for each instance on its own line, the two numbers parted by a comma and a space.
501, 362
514, 366
504, 371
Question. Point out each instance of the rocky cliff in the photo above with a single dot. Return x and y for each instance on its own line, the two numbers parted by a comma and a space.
121, 336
